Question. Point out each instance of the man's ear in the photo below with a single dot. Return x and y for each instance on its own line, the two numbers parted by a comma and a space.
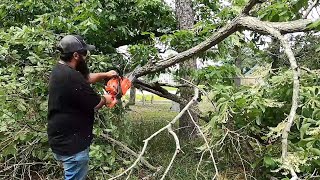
76, 55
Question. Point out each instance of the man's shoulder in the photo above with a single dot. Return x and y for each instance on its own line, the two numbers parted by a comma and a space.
62, 71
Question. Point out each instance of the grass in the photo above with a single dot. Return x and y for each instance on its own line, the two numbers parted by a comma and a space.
148, 97
170, 88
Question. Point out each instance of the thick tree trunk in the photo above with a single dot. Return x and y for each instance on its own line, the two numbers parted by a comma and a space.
237, 79
132, 100
185, 18
275, 53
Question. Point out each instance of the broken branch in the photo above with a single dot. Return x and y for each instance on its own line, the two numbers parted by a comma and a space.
146, 141
128, 150
315, 3
178, 149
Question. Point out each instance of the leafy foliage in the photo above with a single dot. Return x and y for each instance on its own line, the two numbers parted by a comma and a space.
245, 122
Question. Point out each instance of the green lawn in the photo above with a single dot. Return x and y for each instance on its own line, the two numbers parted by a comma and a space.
148, 97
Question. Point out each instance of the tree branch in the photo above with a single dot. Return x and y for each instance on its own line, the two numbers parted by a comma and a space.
158, 90
250, 5
128, 150
254, 24
146, 141
315, 3
296, 75
173, 85
217, 37
242, 21
178, 149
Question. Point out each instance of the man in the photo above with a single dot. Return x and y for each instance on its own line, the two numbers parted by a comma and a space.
71, 106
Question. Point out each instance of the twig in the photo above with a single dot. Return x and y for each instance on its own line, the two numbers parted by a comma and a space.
198, 166
128, 150
310, 9
207, 145
146, 141
178, 149
173, 85
244, 168
129, 174
306, 69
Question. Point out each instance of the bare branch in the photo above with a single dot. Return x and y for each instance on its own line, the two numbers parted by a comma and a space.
306, 69
160, 91
295, 95
315, 3
178, 149
173, 85
128, 150
146, 141
254, 24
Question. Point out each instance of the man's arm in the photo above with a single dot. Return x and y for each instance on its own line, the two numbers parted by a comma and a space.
95, 77
105, 100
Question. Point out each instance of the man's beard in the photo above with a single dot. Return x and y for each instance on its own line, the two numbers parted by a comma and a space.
83, 68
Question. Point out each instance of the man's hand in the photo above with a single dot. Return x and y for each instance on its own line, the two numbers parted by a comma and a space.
112, 74
106, 100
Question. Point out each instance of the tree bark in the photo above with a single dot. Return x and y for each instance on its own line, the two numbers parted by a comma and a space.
275, 53
185, 16
132, 100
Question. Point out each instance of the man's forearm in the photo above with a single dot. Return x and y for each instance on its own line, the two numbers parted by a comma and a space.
95, 77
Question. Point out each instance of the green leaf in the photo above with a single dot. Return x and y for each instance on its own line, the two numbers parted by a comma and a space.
269, 161
304, 129
314, 25
315, 151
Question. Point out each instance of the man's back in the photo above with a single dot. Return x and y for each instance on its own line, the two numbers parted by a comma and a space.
70, 111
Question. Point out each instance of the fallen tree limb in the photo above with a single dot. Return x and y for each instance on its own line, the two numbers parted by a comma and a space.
146, 141
256, 25
129, 151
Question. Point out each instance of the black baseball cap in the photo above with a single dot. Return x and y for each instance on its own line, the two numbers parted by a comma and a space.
74, 43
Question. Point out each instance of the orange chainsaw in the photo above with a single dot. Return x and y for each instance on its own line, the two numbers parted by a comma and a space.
117, 87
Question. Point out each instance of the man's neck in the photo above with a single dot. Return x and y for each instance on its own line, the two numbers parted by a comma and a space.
71, 64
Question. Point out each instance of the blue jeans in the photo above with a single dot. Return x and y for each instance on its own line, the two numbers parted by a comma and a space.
75, 166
